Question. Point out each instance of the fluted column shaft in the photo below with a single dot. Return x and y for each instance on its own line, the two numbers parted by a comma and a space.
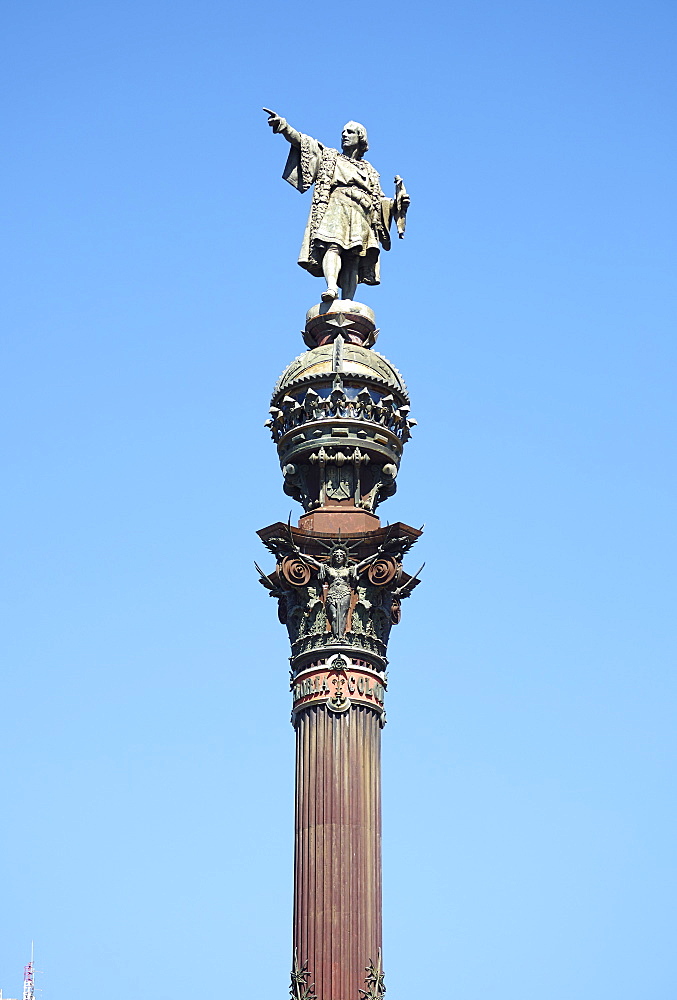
337, 864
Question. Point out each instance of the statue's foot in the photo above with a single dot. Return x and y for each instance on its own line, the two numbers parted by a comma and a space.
330, 293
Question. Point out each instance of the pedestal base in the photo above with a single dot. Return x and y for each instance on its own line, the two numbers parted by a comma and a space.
353, 320
331, 520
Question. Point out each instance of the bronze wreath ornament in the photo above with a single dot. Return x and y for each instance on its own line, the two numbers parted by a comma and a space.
383, 571
295, 571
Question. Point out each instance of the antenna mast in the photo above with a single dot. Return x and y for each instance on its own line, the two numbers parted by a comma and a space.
29, 979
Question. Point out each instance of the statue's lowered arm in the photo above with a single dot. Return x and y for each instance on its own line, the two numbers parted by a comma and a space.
401, 203
395, 209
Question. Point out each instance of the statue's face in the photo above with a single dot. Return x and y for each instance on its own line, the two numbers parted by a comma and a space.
350, 139
339, 557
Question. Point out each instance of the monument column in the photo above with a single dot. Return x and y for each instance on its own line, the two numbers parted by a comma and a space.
339, 417
337, 897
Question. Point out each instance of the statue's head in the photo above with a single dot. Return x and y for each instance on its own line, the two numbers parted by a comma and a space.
354, 136
339, 557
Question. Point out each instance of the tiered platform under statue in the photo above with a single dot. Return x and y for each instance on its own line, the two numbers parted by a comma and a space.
339, 417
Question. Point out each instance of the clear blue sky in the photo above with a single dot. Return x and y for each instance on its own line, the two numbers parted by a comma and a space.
151, 298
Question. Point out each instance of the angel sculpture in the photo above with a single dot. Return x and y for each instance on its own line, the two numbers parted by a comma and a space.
349, 215
342, 578
341, 575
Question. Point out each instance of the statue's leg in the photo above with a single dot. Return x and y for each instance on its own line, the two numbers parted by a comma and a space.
331, 265
349, 275
332, 615
343, 615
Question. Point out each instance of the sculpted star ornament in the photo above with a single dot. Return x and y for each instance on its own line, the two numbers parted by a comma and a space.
341, 321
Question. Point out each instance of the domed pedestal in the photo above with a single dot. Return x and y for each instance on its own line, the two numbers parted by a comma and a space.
353, 320
339, 416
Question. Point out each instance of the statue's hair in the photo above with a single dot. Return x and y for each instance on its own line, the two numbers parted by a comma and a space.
363, 142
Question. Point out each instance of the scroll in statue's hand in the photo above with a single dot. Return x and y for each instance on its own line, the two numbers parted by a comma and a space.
401, 194
402, 203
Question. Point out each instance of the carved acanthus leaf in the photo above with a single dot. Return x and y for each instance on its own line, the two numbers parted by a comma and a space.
299, 988
375, 987
280, 546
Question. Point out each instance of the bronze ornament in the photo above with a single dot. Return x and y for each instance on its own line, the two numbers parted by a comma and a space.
383, 571
299, 988
374, 981
295, 571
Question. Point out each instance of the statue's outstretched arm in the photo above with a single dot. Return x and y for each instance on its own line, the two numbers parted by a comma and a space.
361, 566
310, 560
281, 125
303, 556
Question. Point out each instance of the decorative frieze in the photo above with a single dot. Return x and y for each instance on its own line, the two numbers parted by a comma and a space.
340, 401
338, 682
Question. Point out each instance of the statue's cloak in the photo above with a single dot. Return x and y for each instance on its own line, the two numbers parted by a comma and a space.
354, 216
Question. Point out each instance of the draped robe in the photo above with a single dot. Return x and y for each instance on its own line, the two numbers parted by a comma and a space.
348, 210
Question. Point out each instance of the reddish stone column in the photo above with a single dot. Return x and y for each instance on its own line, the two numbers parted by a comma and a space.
337, 864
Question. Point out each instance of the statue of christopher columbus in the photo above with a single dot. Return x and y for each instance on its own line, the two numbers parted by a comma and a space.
350, 216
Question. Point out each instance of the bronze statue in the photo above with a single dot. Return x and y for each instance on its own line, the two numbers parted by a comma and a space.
341, 577
350, 216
